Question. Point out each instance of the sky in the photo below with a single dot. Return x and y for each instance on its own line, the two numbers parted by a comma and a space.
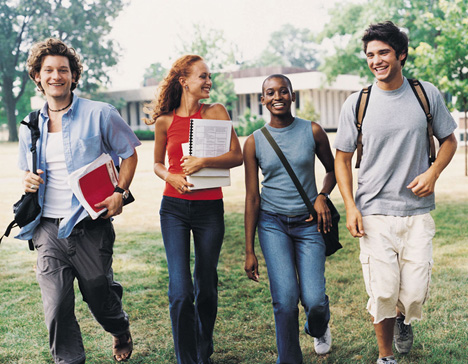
150, 31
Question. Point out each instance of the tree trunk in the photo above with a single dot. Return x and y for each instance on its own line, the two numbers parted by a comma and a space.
9, 103
466, 146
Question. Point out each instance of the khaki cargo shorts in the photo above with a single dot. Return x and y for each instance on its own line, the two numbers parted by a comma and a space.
396, 258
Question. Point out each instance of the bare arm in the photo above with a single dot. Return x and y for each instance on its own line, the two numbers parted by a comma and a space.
178, 181
252, 208
231, 159
114, 202
344, 177
324, 154
424, 184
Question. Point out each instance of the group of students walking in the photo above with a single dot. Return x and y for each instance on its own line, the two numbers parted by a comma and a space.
389, 214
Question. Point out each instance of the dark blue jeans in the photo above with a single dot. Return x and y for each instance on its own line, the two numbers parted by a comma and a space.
294, 253
193, 304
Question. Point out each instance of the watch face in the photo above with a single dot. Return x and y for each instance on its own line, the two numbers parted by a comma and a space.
125, 195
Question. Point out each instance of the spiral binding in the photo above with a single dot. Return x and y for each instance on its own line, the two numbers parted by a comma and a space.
190, 136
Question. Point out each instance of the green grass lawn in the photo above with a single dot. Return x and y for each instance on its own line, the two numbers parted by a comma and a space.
245, 331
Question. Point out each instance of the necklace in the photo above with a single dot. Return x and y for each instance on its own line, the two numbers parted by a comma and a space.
66, 107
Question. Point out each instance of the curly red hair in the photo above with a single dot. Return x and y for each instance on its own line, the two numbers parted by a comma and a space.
170, 90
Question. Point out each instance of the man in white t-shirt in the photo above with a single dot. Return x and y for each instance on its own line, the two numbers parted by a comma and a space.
390, 213
70, 245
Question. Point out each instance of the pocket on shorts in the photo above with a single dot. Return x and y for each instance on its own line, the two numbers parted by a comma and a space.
429, 274
429, 224
366, 272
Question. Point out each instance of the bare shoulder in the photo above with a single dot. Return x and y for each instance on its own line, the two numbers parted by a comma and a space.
317, 129
249, 145
215, 111
163, 121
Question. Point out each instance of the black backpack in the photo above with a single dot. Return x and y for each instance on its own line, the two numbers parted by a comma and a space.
27, 208
420, 94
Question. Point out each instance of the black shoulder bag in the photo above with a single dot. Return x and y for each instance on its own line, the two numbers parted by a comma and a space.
27, 208
332, 239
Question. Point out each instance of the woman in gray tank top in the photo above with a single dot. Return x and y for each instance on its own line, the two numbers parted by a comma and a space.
290, 238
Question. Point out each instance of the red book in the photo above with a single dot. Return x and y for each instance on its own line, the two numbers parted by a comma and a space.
93, 183
98, 184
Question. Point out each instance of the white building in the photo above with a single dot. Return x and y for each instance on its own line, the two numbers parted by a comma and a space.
310, 86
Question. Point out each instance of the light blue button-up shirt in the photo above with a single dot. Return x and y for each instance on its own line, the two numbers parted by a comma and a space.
89, 128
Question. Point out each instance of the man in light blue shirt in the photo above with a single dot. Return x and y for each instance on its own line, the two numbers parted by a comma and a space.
74, 132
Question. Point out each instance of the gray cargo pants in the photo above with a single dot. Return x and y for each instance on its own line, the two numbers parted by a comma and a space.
87, 256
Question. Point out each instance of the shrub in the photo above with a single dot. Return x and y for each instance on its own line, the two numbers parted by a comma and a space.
144, 134
248, 123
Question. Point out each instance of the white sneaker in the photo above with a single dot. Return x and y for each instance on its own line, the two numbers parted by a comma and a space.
323, 344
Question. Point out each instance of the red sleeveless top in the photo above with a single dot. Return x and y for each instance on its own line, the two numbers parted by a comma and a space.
177, 134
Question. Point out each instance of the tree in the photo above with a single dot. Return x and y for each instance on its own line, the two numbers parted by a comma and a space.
445, 62
154, 74
289, 46
219, 55
349, 21
84, 24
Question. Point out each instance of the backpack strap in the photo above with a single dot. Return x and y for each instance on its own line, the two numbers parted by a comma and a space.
421, 95
35, 134
361, 107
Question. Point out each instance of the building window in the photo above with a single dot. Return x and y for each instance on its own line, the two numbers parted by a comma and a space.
129, 115
138, 121
247, 101
462, 137
298, 100
260, 106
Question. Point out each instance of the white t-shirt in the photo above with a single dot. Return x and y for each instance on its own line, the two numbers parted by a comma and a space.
58, 194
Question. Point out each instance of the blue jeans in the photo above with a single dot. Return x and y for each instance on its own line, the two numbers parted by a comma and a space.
294, 253
193, 305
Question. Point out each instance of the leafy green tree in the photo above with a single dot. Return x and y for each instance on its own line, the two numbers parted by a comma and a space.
445, 61
154, 74
84, 24
289, 46
350, 20
212, 46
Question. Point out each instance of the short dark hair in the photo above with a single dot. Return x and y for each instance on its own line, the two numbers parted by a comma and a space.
277, 75
389, 33
53, 47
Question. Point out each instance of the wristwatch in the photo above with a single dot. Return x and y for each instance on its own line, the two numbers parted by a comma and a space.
324, 194
122, 191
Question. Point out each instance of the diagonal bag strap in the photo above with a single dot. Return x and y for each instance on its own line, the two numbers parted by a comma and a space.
290, 171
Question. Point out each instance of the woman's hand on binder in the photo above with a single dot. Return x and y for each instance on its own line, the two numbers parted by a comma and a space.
179, 182
191, 164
